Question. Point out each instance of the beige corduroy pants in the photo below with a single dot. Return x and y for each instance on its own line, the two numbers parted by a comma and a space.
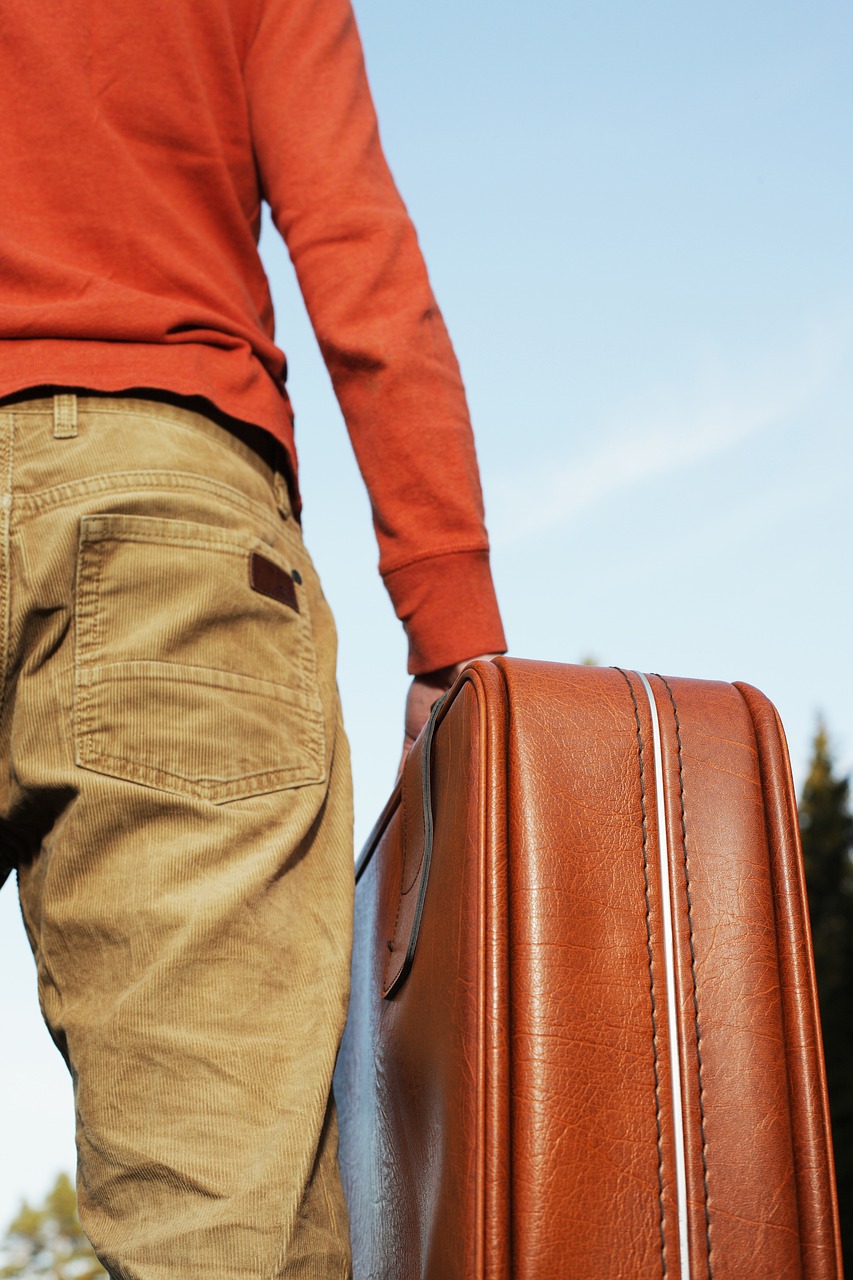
175, 793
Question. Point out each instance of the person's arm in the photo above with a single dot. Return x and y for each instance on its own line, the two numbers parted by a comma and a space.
382, 336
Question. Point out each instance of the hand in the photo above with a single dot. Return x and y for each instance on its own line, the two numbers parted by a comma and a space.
423, 692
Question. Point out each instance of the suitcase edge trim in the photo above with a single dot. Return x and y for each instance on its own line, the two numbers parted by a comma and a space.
663, 847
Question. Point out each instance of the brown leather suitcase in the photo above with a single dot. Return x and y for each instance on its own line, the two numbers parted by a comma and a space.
583, 1039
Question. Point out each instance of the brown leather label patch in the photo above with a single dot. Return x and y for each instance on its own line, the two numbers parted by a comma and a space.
271, 580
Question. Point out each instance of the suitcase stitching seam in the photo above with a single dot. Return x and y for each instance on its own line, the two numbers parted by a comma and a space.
689, 897
655, 1054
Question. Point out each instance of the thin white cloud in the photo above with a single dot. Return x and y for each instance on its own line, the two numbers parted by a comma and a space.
714, 416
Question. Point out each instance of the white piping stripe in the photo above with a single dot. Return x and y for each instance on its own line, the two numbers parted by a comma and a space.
672, 1013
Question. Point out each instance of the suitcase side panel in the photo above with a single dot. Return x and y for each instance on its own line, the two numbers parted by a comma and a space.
414, 1068
812, 1141
741, 1188
593, 1157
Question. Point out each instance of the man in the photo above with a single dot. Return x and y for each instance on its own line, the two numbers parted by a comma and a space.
176, 794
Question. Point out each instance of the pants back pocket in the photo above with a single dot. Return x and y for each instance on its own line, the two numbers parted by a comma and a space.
190, 678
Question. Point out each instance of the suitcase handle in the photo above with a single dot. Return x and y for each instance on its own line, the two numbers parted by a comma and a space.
417, 830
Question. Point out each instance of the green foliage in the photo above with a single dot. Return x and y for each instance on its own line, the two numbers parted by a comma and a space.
49, 1241
826, 825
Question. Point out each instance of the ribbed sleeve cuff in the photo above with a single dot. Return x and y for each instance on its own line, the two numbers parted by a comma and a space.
448, 607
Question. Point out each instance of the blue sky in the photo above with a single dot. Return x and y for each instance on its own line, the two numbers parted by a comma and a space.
639, 224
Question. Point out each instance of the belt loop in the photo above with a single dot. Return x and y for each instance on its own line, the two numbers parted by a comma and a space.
64, 417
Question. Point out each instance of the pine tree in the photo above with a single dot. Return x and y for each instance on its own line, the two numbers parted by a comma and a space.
827, 832
49, 1241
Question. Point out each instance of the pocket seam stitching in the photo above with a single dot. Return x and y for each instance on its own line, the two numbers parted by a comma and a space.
194, 786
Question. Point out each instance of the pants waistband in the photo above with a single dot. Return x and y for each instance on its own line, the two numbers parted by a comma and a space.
66, 401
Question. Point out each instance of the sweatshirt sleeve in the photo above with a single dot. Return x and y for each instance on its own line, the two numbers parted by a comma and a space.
382, 336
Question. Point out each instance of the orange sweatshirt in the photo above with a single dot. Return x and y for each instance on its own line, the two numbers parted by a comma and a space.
139, 140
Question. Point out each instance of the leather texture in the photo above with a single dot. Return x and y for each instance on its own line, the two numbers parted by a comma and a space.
508, 1109
271, 580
